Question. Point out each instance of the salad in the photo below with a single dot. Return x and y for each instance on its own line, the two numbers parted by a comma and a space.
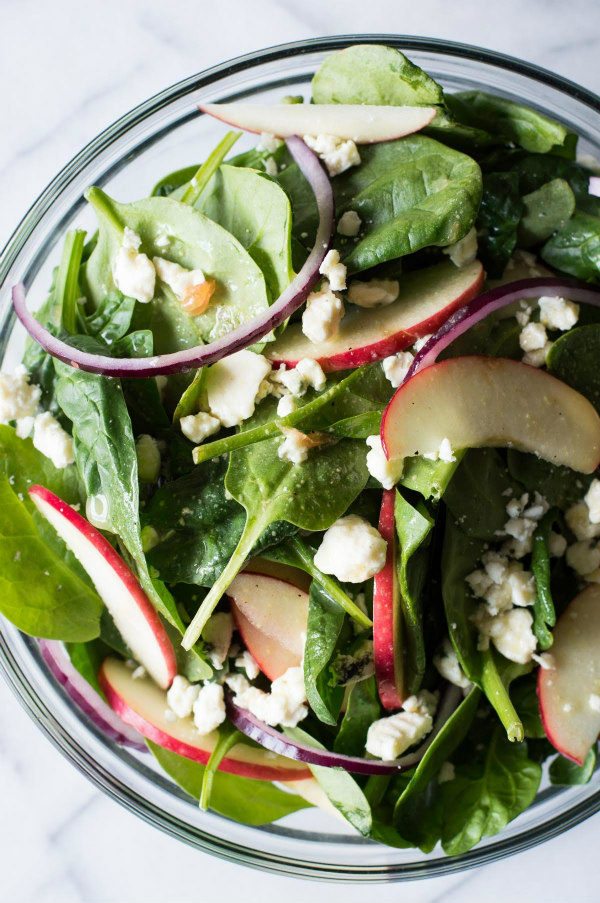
298, 473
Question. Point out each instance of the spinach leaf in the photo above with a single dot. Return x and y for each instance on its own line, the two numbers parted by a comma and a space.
574, 358
486, 795
524, 697
410, 194
311, 496
545, 210
544, 615
362, 709
195, 241
498, 220
560, 486
174, 180
87, 658
39, 593
575, 248
228, 737
563, 771
429, 478
201, 178
244, 800
190, 401
478, 493
325, 622
111, 319
67, 279
534, 170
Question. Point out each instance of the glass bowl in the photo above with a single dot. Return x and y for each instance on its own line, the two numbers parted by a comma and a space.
158, 136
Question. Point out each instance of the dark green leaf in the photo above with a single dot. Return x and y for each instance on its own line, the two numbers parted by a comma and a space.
563, 771
325, 621
362, 709
544, 614
478, 493
545, 211
574, 359
498, 220
575, 249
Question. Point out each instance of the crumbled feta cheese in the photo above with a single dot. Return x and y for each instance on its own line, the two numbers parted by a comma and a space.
295, 446
520, 528
197, 427
538, 357
557, 313
509, 631
349, 224
578, 521
338, 154
270, 167
374, 293
306, 374
592, 500
268, 142
209, 708
447, 663
503, 584
24, 427
533, 337
181, 696
386, 471
232, 385
557, 545
217, 633
515, 507
443, 453
397, 366
522, 586
247, 661
52, 441
334, 270
286, 405
420, 343
322, 316
446, 773
133, 272
594, 702
352, 550
464, 251
18, 399
285, 705
545, 660
389, 737
179, 280
496, 566
479, 583
583, 557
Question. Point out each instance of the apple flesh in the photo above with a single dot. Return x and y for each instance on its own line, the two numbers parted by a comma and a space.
358, 122
271, 615
143, 705
565, 692
387, 631
133, 614
485, 401
427, 298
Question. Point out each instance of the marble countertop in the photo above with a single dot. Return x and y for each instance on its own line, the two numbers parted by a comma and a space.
68, 69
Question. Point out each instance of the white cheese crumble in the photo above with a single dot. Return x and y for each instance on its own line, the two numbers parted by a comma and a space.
338, 154
181, 696
52, 440
533, 337
285, 705
198, 427
545, 660
286, 405
502, 583
447, 663
375, 293
464, 251
349, 224
217, 634
420, 343
557, 313
270, 167
592, 500
396, 366
389, 737
247, 661
306, 374
179, 280
133, 272
322, 316
232, 385
446, 773
352, 550
557, 545
209, 708
387, 472
583, 557
594, 702
443, 453
334, 270
18, 398
295, 446
538, 357
510, 632
579, 522
268, 142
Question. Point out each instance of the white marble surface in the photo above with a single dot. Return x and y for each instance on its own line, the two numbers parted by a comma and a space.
67, 69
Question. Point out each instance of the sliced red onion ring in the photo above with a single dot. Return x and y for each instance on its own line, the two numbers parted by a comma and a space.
290, 299
85, 697
494, 299
274, 740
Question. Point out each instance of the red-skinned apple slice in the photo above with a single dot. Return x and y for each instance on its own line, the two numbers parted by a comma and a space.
485, 401
119, 589
387, 637
143, 705
427, 298
271, 615
569, 693
363, 124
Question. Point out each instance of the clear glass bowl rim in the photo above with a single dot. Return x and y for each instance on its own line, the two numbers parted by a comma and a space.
9, 666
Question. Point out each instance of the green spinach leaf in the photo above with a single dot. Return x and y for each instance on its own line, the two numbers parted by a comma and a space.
575, 249
574, 358
498, 221
545, 211
560, 486
544, 614
566, 773
362, 709
325, 622
478, 493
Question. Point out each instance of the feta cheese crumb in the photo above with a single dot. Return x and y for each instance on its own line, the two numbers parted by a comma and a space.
334, 270
446, 773
464, 251
594, 702
509, 631
232, 385
270, 167
387, 472
352, 550
52, 441
545, 660
538, 357
349, 224
420, 343
181, 696
179, 280
447, 663
285, 705
268, 142
18, 399
374, 293
24, 427
247, 661
217, 633
396, 366
198, 427
578, 521
306, 374
557, 313
286, 405
592, 500
389, 737
557, 545
295, 446
133, 272
444, 453
322, 316
209, 708
533, 337
583, 557
338, 154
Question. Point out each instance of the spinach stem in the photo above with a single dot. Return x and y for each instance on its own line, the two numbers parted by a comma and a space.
103, 206
204, 174
66, 291
497, 694
228, 737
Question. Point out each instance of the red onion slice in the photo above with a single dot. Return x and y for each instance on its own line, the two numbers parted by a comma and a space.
85, 697
494, 299
290, 299
274, 740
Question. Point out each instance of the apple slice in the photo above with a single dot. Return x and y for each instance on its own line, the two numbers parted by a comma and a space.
133, 614
387, 629
271, 615
143, 705
358, 122
486, 401
427, 298
569, 693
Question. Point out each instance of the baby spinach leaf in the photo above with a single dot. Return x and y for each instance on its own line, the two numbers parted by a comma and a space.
67, 279
189, 403
325, 622
429, 478
544, 614
498, 220
574, 358
244, 800
228, 737
566, 773
111, 319
524, 696
485, 796
560, 486
478, 492
39, 593
362, 709
410, 194
201, 178
87, 658
545, 210
575, 249
174, 180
